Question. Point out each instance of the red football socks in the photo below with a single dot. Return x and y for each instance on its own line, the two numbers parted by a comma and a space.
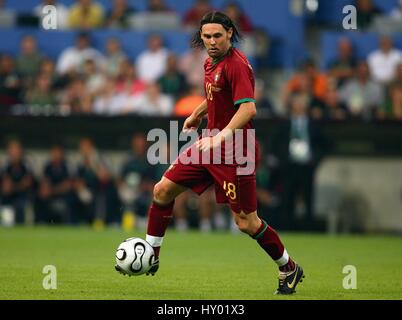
269, 240
159, 218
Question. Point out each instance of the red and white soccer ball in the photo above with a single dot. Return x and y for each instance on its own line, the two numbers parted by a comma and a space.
135, 256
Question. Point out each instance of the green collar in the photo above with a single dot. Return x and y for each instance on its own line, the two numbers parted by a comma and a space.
215, 61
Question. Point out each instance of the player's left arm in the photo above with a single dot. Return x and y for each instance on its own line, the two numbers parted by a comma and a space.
244, 114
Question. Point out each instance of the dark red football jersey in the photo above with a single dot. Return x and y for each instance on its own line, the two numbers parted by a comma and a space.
229, 81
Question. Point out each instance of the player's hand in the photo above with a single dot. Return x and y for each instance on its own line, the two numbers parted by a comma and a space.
191, 123
208, 143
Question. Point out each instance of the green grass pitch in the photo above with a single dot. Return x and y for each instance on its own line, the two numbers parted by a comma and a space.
194, 266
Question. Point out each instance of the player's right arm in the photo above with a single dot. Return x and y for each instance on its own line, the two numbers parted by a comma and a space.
195, 119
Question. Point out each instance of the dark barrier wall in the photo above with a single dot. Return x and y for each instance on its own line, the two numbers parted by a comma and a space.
349, 138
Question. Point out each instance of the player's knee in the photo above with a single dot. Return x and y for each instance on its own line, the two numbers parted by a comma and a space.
161, 193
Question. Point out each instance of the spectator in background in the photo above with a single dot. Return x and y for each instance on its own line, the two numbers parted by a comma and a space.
85, 15
7, 16
395, 95
362, 96
55, 204
191, 64
305, 90
114, 57
109, 101
72, 59
157, 6
383, 61
396, 13
343, 66
233, 10
298, 146
94, 79
136, 180
193, 16
189, 102
309, 73
118, 16
172, 82
75, 98
48, 68
29, 60
17, 181
265, 107
150, 103
10, 84
41, 94
61, 9
331, 108
127, 81
366, 12
95, 187
151, 63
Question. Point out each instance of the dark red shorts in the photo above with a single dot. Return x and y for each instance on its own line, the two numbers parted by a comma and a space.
237, 190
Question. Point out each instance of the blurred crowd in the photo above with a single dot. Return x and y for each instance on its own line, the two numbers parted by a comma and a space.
84, 80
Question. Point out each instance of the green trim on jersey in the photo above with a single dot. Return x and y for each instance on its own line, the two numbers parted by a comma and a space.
244, 100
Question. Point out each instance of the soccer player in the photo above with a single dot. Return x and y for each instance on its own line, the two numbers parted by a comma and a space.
230, 106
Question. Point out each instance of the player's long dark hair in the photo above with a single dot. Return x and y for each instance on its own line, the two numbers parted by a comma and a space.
215, 17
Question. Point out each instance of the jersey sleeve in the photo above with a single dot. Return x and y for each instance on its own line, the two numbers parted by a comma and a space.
241, 81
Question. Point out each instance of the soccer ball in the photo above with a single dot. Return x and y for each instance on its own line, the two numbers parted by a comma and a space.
135, 256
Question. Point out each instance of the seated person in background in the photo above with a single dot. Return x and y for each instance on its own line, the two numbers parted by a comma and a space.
28, 61
55, 189
85, 14
396, 12
17, 182
94, 78
172, 82
119, 14
109, 101
7, 16
236, 14
395, 95
305, 92
362, 96
150, 103
95, 187
151, 63
331, 108
114, 57
383, 61
72, 59
75, 98
61, 9
343, 66
41, 94
10, 84
193, 16
136, 180
189, 102
319, 82
265, 107
127, 81
366, 12
157, 6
